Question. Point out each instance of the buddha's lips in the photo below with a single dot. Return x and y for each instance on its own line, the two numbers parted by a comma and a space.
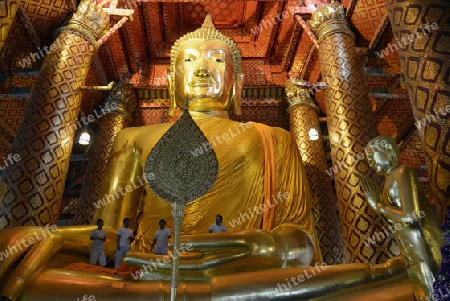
202, 84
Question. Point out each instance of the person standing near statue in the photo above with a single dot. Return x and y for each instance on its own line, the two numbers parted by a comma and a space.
98, 236
217, 226
161, 236
124, 238
403, 199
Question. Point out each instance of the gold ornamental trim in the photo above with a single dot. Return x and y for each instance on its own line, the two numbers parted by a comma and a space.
297, 94
89, 21
327, 12
330, 19
332, 27
81, 30
124, 98
302, 102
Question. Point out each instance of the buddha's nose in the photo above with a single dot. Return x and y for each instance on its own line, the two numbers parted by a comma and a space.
202, 69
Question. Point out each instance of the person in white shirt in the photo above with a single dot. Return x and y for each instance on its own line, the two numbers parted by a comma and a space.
217, 226
98, 236
124, 238
161, 236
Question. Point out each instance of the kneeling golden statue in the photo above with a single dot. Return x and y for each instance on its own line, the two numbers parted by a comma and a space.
404, 204
261, 191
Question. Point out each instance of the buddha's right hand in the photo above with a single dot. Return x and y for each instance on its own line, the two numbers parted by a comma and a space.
227, 252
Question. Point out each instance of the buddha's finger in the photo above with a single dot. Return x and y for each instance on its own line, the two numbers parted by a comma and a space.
363, 179
150, 262
15, 243
373, 185
33, 262
213, 241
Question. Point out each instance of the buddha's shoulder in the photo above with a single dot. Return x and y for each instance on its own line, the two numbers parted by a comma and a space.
209, 126
144, 131
249, 126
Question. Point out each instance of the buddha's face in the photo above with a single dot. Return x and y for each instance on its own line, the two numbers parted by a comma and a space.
204, 74
378, 160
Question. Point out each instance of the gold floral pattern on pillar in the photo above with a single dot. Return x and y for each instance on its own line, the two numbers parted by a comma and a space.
45, 137
304, 123
351, 125
425, 62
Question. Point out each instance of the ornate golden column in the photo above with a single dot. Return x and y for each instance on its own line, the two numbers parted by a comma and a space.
45, 137
305, 129
351, 125
422, 31
120, 106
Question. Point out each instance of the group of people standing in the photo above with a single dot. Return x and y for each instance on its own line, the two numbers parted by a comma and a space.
125, 237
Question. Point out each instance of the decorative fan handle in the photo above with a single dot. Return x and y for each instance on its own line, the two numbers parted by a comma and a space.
178, 214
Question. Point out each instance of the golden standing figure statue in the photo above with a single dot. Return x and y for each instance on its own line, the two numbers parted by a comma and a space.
404, 204
259, 167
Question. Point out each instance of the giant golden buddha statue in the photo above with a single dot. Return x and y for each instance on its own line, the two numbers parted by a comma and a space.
270, 252
258, 165
261, 182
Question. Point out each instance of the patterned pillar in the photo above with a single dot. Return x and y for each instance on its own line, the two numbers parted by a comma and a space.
305, 129
45, 137
351, 125
120, 103
422, 31
8, 11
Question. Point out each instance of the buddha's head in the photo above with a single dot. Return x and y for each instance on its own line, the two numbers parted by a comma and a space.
205, 68
382, 154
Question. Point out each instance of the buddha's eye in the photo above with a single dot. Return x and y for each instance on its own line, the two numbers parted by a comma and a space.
189, 59
220, 60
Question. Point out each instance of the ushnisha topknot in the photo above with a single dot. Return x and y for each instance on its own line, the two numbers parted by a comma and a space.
207, 31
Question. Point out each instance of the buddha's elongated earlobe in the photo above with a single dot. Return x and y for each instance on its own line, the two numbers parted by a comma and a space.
237, 93
171, 89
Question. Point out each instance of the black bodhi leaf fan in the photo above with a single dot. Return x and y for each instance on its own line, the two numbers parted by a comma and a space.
176, 175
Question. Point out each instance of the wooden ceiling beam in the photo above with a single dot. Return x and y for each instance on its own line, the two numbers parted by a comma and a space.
351, 9
269, 40
5, 142
135, 42
386, 93
376, 71
311, 50
25, 95
8, 20
6, 131
29, 26
153, 28
410, 132
379, 32
107, 56
99, 71
287, 40
301, 54
72, 5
